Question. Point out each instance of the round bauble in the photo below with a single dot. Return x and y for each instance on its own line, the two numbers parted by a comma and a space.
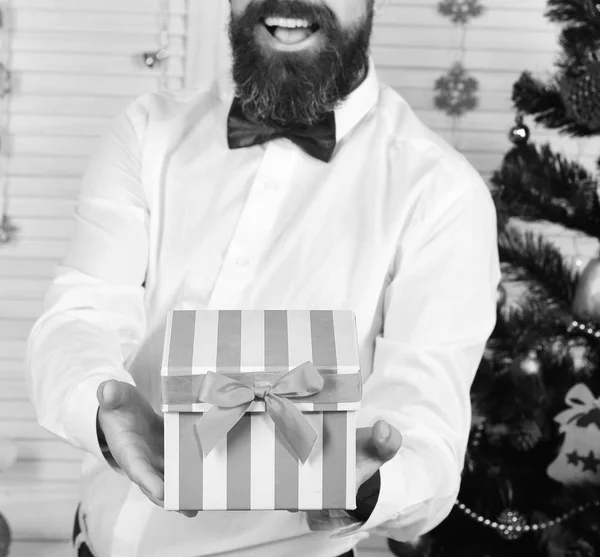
514, 524
586, 303
500, 296
519, 134
530, 364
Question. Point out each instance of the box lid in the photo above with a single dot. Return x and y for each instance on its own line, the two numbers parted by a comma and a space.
257, 345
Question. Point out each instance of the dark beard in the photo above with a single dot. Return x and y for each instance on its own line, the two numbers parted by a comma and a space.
284, 88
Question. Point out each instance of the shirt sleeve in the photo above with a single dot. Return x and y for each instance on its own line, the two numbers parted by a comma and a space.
439, 311
94, 313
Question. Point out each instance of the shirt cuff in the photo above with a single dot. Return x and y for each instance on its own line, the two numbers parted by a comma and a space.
390, 494
385, 507
81, 408
366, 498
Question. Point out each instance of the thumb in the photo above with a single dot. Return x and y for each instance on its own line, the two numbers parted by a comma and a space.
114, 394
386, 440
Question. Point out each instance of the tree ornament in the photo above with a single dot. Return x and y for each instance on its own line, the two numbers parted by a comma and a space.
514, 525
586, 303
592, 7
579, 548
456, 91
527, 437
530, 364
152, 59
5, 537
581, 95
578, 461
519, 134
501, 296
460, 12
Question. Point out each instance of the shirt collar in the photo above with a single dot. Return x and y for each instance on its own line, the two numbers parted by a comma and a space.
357, 104
347, 114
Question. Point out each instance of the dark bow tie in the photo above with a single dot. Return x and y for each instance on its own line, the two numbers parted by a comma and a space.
317, 140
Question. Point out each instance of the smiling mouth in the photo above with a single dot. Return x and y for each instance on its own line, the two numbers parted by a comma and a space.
290, 31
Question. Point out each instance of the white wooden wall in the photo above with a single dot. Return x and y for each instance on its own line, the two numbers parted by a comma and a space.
76, 63
75, 67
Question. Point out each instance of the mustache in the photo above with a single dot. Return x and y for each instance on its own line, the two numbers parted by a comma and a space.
320, 14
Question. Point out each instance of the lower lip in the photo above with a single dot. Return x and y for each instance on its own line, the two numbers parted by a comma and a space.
288, 47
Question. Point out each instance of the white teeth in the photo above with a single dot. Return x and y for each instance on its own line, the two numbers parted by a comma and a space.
289, 23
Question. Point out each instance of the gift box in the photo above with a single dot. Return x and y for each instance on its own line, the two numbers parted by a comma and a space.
260, 410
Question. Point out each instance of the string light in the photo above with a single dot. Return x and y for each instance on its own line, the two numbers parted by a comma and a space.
511, 525
7, 229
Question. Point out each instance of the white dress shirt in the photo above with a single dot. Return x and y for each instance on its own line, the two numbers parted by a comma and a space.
397, 227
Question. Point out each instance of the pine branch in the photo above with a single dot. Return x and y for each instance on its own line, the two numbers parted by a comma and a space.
577, 45
537, 184
544, 102
543, 262
571, 12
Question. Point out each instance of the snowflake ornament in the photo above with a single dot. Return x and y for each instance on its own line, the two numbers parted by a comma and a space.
456, 91
460, 12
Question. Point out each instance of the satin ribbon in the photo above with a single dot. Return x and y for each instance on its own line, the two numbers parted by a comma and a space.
584, 408
231, 400
318, 141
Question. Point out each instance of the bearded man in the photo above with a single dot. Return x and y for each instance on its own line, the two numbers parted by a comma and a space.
307, 184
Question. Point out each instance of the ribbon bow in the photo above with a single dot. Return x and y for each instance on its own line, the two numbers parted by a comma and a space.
583, 407
231, 399
318, 140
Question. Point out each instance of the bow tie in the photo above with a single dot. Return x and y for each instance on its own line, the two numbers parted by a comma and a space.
317, 140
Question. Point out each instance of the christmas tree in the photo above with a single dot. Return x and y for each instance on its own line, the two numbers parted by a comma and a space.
531, 482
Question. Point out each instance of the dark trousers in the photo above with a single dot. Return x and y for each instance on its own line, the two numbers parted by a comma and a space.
84, 550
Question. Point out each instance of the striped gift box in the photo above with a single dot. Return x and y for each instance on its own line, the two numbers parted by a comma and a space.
252, 467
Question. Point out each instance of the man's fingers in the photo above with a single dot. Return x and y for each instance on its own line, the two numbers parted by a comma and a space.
150, 496
386, 440
141, 472
114, 394
189, 514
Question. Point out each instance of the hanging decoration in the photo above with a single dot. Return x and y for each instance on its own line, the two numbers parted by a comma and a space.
519, 134
592, 8
7, 228
460, 12
456, 90
586, 303
159, 59
578, 461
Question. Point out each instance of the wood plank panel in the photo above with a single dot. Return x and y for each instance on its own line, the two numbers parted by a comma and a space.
42, 548
54, 509
26, 267
62, 472
98, 43
30, 20
86, 63
176, 7
65, 188
130, 86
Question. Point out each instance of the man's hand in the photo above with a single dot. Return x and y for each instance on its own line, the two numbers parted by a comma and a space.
135, 437
374, 447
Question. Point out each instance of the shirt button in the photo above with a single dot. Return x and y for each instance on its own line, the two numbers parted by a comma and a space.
271, 186
242, 262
